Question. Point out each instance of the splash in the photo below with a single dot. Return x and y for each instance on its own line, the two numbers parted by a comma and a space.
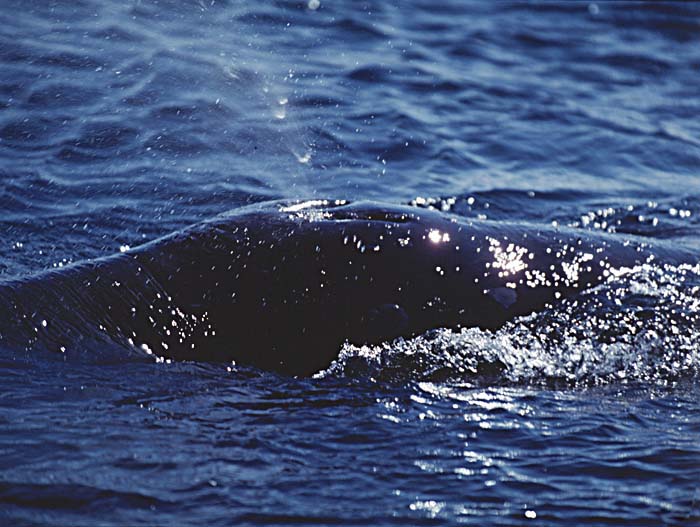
642, 325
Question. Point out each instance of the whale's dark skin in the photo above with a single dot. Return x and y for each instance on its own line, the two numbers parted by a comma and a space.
282, 285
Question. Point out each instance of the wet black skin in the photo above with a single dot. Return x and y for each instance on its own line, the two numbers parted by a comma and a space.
282, 285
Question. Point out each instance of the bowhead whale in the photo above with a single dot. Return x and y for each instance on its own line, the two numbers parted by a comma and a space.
282, 285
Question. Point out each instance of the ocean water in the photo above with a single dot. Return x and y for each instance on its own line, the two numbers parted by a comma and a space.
122, 121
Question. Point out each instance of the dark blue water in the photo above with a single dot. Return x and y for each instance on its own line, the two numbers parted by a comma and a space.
122, 121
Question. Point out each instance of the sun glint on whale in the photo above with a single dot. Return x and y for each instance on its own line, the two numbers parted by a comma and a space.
282, 285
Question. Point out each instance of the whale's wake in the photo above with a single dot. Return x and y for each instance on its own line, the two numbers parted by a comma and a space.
641, 326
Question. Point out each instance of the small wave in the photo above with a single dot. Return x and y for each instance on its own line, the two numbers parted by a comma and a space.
61, 96
641, 326
73, 497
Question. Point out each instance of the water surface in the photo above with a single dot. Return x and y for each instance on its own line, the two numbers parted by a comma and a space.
123, 121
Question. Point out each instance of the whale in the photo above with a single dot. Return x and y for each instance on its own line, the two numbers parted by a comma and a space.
282, 285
